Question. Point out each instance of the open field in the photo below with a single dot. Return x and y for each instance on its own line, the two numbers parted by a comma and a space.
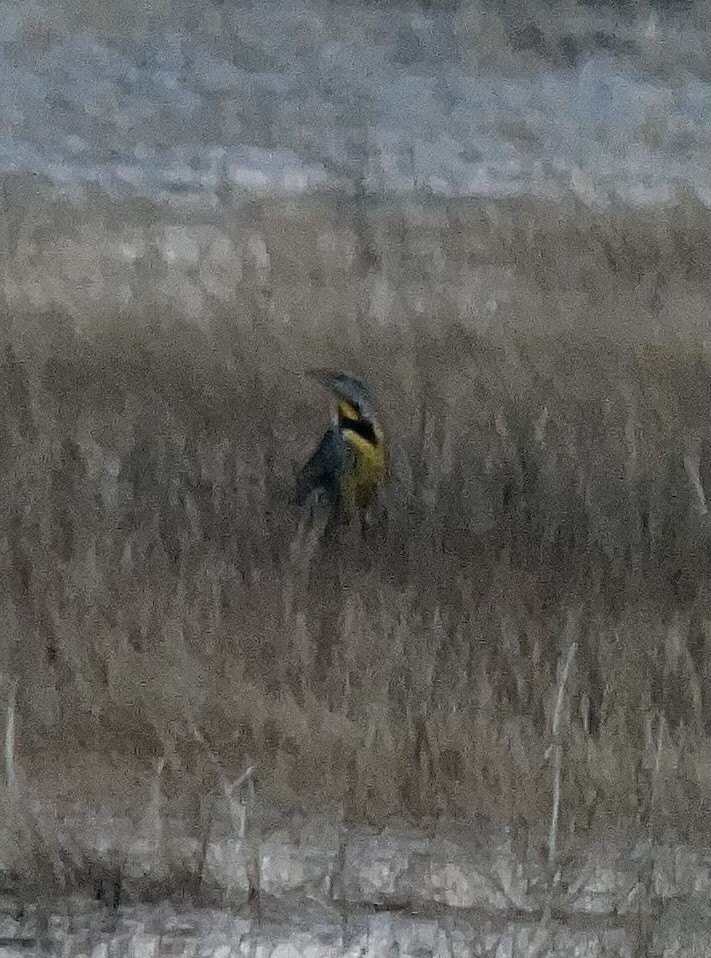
551, 447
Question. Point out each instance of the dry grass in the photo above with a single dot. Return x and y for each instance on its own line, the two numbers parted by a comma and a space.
549, 490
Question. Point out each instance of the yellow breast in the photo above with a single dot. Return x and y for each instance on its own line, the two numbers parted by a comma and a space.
368, 470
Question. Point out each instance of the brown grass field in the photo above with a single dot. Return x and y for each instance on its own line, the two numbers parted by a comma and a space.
551, 448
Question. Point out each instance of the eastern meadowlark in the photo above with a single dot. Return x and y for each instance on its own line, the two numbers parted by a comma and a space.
351, 461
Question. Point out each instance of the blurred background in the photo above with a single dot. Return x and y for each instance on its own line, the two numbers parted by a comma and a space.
497, 215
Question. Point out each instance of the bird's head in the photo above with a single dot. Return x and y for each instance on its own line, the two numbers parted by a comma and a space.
354, 402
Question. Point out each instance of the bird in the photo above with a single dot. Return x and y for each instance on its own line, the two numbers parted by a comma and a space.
350, 464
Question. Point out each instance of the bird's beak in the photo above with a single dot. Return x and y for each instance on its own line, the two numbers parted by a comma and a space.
332, 382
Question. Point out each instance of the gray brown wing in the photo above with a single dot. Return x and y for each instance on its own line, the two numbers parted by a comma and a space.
322, 471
